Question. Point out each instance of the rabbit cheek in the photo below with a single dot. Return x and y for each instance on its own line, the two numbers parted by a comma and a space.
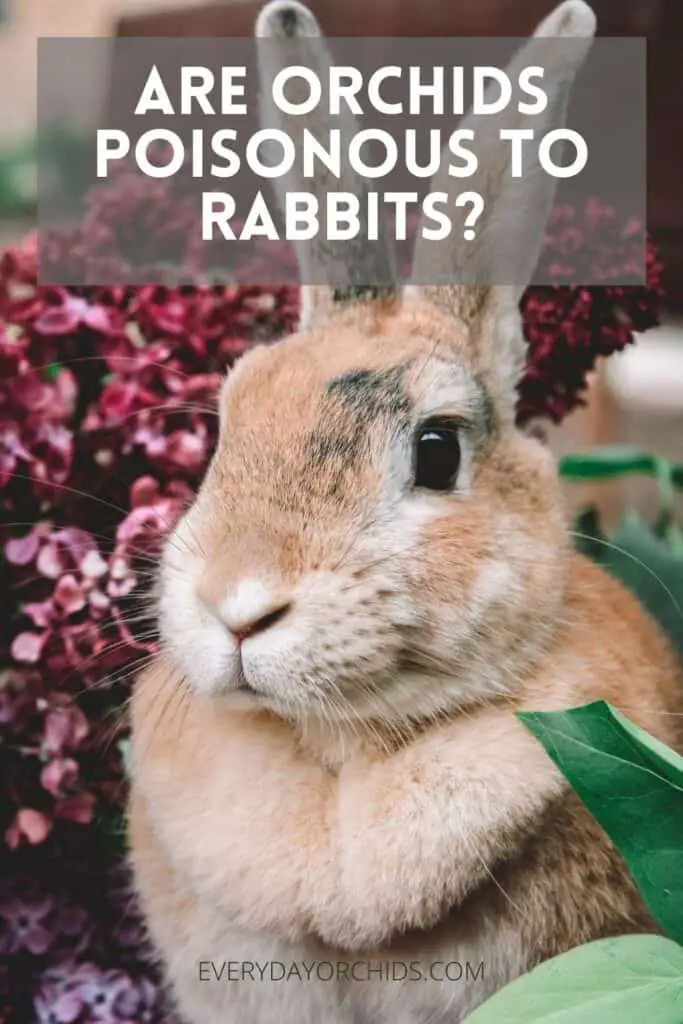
495, 582
197, 643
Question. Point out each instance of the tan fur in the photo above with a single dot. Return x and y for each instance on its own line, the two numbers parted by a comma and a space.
462, 845
369, 798
422, 827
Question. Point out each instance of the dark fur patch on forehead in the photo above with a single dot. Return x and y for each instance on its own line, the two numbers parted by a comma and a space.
328, 447
372, 393
351, 403
362, 293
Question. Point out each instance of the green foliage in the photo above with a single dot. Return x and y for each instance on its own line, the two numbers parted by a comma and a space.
64, 158
611, 461
633, 785
647, 560
606, 463
612, 981
18, 179
649, 565
630, 782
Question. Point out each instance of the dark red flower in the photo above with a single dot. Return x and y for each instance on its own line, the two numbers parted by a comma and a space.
569, 328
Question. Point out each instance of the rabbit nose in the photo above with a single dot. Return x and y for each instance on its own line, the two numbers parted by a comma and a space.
249, 607
241, 630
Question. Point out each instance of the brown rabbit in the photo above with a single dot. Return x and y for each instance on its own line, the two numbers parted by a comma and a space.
377, 573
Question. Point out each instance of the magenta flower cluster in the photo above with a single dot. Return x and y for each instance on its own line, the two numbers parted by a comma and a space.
107, 421
569, 328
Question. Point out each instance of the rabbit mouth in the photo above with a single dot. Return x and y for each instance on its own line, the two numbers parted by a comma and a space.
242, 685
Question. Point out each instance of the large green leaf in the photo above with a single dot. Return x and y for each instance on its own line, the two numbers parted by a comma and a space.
633, 785
644, 563
612, 981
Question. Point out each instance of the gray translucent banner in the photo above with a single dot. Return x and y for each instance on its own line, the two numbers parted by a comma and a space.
152, 168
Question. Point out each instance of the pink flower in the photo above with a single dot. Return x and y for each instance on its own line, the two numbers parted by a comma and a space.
59, 775
41, 614
145, 491
187, 450
80, 808
69, 594
28, 824
23, 550
74, 993
65, 729
28, 647
50, 562
70, 314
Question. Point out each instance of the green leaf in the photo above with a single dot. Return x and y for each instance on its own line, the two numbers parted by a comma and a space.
606, 462
674, 538
52, 371
612, 461
633, 786
611, 981
667, 761
664, 472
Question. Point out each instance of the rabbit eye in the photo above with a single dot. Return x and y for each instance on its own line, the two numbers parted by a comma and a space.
437, 458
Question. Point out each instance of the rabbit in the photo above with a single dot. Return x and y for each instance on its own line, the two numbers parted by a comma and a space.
328, 778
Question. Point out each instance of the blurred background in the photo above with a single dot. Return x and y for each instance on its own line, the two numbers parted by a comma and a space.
636, 396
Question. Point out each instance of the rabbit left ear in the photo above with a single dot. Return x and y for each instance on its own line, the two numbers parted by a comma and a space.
288, 34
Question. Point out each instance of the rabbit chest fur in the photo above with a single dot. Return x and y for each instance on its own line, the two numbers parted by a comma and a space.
506, 866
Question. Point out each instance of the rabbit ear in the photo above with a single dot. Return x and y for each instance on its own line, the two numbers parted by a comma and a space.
510, 231
291, 35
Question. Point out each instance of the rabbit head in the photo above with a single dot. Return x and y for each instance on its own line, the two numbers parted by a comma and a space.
374, 537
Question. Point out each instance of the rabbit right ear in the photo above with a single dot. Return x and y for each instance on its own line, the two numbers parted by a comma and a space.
288, 34
484, 279
510, 231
